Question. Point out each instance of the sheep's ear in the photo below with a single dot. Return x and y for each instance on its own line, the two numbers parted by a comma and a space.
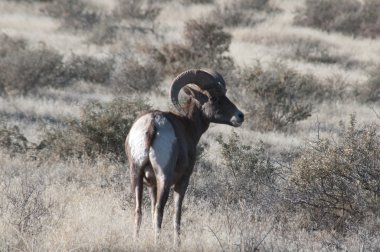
188, 91
196, 93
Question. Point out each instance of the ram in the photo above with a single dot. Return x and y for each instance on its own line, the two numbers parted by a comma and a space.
161, 146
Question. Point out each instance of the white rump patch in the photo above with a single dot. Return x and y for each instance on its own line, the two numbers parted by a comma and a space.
163, 144
137, 139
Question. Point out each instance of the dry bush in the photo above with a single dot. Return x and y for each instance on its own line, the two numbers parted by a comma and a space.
206, 45
350, 17
12, 140
313, 50
146, 10
30, 1
188, 2
206, 37
372, 92
24, 205
27, 208
64, 143
9, 45
242, 12
129, 18
24, 70
108, 124
279, 96
251, 172
101, 130
370, 14
325, 13
254, 4
245, 177
76, 14
337, 182
105, 32
129, 75
89, 69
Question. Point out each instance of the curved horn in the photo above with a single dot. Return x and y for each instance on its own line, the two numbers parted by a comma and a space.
203, 78
217, 78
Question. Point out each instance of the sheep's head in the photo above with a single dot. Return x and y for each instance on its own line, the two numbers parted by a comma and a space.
208, 89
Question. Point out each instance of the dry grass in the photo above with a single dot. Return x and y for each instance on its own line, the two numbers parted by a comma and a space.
239, 197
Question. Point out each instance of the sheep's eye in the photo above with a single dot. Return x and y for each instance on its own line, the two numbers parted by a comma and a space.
214, 99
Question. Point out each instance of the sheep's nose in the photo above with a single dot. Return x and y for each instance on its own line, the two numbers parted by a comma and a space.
240, 115
237, 119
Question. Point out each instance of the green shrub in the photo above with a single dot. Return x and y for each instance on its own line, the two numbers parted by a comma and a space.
25, 70
337, 182
206, 45
101, 130
347, 16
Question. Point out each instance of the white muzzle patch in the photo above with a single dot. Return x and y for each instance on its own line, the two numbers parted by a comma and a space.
237, 119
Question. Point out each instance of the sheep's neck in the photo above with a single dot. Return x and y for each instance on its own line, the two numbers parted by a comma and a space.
198, 123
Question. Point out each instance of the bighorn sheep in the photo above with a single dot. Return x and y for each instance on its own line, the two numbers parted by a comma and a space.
161, 146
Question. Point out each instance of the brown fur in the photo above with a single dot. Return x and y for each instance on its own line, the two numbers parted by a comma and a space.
200, 110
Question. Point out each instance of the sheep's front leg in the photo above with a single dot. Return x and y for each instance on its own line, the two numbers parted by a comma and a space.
179, 194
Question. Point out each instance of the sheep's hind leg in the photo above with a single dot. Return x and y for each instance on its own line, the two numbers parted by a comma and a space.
138, 189
150, 181
163, 189
163, 155
153, 201
179, 194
